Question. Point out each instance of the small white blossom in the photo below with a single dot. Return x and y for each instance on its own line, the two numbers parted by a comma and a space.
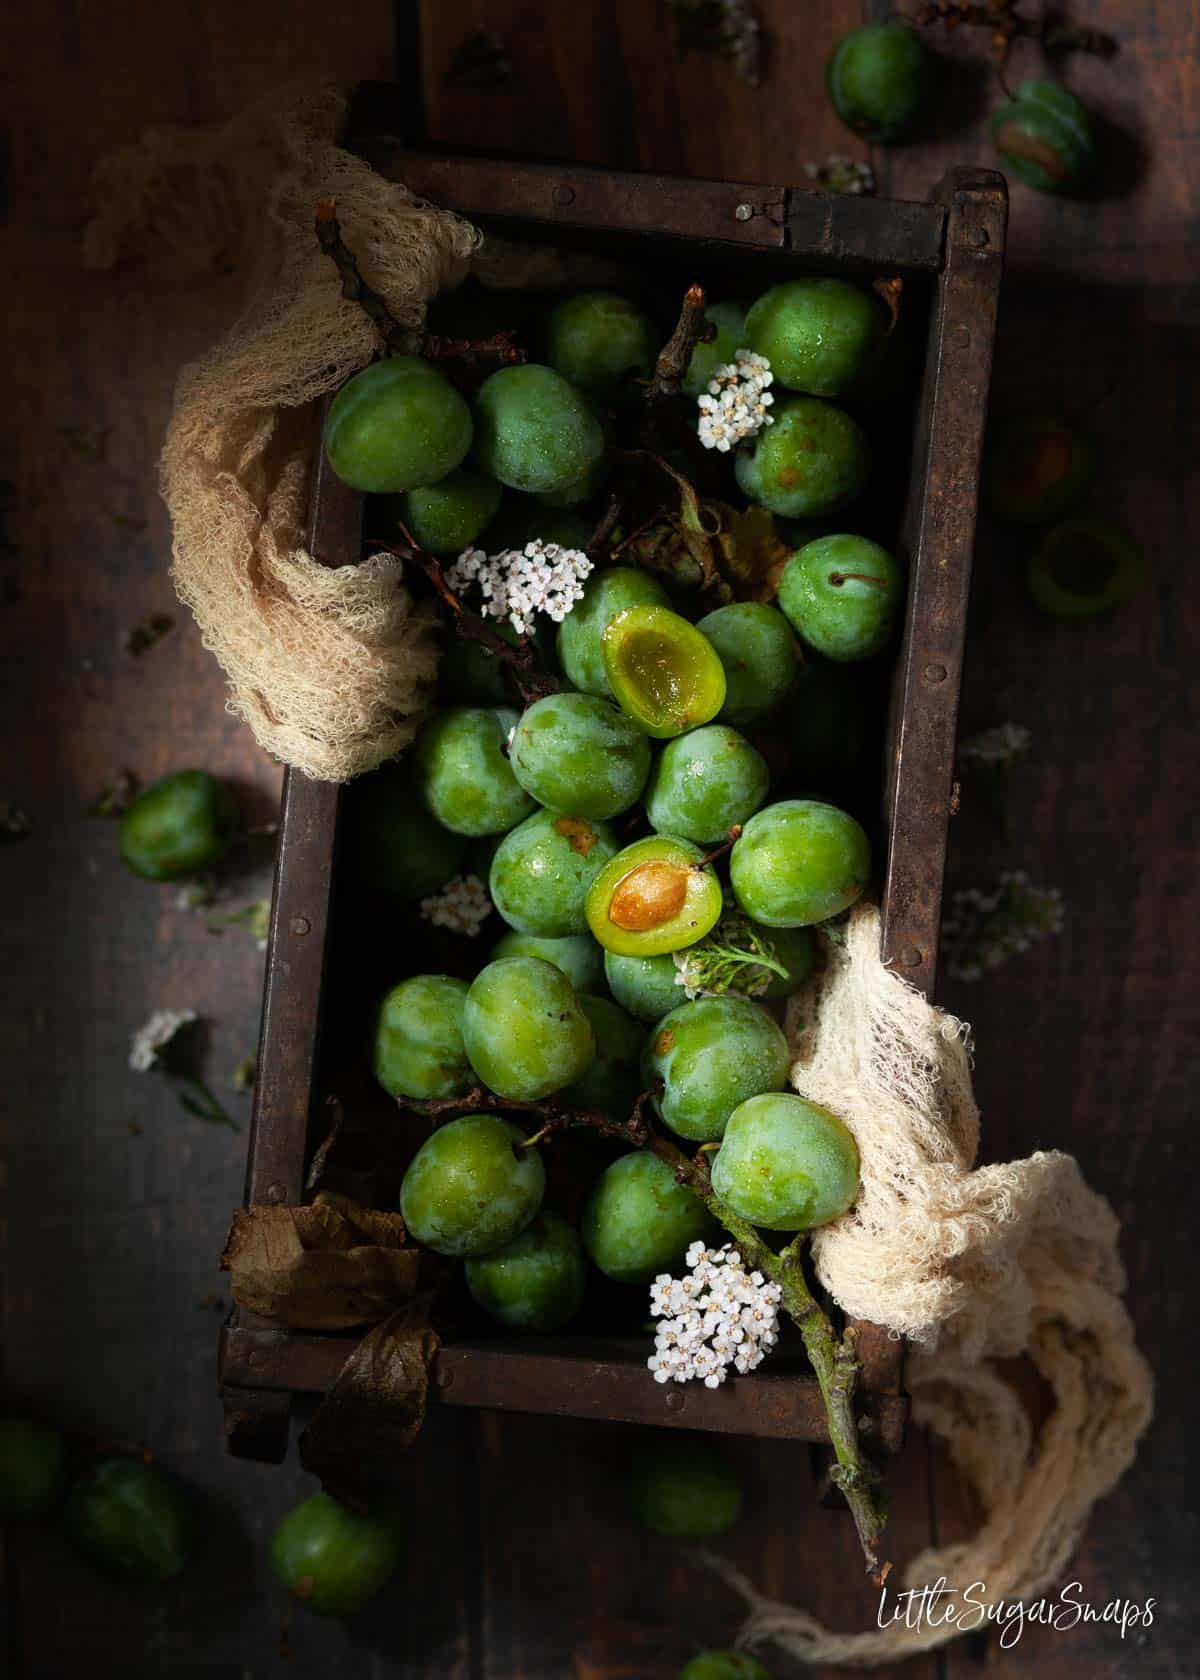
983, 929
462, 905
717, 1317
1001, 745
153, 1037
842, 174
735, 405
519, 583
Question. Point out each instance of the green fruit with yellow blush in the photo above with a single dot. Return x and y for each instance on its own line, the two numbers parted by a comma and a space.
526, 1032
786, 1164
471, 1186
798, 862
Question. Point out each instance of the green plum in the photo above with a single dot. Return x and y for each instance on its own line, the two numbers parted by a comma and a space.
397, 425
472, 1186
1044, 135
543, 870
663, 672
179, 825
640, 1221
725, 1665
606, 593
684, 1488
533, 430
31, 1468
130, 1519
730, 321
646, 986
821, 336
601, 342
842, 595
463, 771
418, 1049
612, 1083
761, 658
706, 1057
1083, 567
581, 489
332, 1559
536, 1281
799, 862
654, 896
814, 460
576, 954
390, 842
1035, 467
576, 753
525, 1030
786, 1164
449, 516
878, 79
705, 783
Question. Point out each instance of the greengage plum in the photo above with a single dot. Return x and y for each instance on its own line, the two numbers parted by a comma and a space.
525, 1030
601, 342
578, 754
799, 862
31, 1468
463, 771
1044, 135
472, 1186
704, 783
760, 655
334, 1560
536, 1281
391, 842
652, 897
611, 1084
639, 1220
533, 430
579, 490
842, 594
663, 672
645, 986
179, 825
395, 426
814, 460
605, 594
417, 1050
725, 1665
683, 1488
820, 336
449, 516
878, 78
131, 1520
542, 872
709, 1055
730, 321
1035, 467
577, 955
1083, 567
786, 1164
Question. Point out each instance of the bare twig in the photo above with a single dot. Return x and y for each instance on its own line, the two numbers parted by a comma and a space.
1006, 25
691, 329
598, 542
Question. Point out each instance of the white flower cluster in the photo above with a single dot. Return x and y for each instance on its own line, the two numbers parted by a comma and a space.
735, 405
519, 583
462, 905
842, 174
718, 1316
155, 1035
983, 929
997, 746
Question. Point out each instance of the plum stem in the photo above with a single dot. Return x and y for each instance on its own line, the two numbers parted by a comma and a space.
1005, 25
718, 852
837, 579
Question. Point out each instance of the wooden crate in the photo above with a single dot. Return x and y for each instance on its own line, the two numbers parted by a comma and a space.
949, 250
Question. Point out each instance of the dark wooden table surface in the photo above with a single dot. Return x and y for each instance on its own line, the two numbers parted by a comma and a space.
523, 1565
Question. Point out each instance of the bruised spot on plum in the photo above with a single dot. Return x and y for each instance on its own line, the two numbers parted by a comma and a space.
579, 835
665, 1041
651, 894
789, 477
304, 1586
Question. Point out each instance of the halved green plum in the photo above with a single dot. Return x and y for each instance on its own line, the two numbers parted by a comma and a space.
799, 862
578, 955
841, 594
1083, 567
683, 1488
463, 772
664, 673
417, 1049
729, 318
605, 594
646, 986
705, 783
449, 516
32, 1457
390, 841
1035, 466
533, 430
1045, 136
578, 754
525, 1030
639, 1220
601, 342
542, 872
813, 461
709, 1055
472, 1186
762, 658
131, 1519
334, 1560
654, 896
612, 1082
536, 1281
820, 335
395, 426
786, 1164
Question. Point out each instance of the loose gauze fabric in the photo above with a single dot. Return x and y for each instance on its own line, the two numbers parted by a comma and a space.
974, 1265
